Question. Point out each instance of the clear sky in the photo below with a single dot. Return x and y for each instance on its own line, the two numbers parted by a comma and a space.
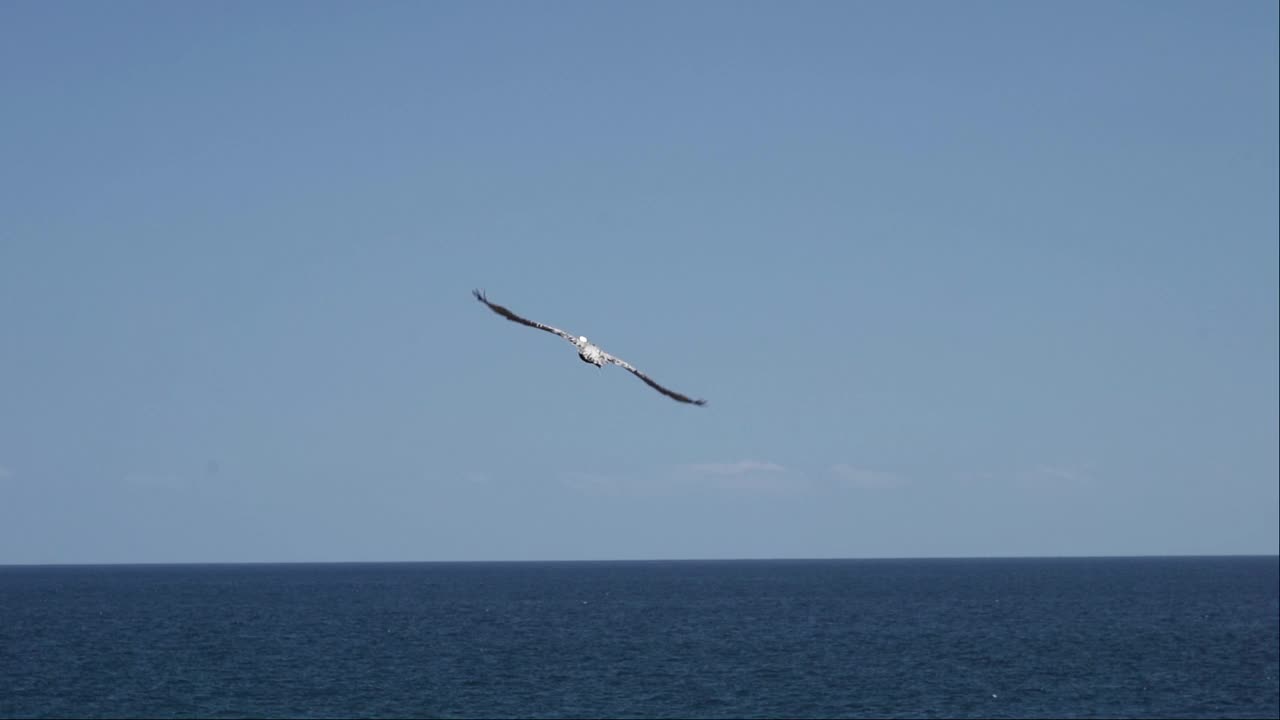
956, 278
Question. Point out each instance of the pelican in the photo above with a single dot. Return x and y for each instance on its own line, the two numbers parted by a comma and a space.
586, 351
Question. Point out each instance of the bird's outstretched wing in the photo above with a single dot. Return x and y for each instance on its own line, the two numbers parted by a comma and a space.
649, 381
516, 318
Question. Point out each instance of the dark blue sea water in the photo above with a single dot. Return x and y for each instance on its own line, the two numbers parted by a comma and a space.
1140, 637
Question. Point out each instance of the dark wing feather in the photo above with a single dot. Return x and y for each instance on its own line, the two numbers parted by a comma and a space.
516, 318
649, 381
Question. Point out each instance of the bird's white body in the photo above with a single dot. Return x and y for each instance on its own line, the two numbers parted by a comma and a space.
590, 353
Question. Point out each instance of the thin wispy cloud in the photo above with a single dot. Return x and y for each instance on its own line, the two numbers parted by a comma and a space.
732, 469
155, 481
746, 475
733, 476
1045, 476
594, 482
1054, 477
865, 478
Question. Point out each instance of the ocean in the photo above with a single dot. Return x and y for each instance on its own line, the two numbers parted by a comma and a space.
1195, 637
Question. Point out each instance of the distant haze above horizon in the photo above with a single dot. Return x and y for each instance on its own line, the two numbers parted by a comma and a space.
982, 279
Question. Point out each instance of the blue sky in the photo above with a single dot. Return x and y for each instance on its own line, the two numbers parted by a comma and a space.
957, 279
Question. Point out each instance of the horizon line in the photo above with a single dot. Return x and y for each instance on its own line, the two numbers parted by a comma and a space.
584, 561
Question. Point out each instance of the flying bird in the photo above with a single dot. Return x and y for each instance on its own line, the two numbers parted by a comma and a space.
586, 351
